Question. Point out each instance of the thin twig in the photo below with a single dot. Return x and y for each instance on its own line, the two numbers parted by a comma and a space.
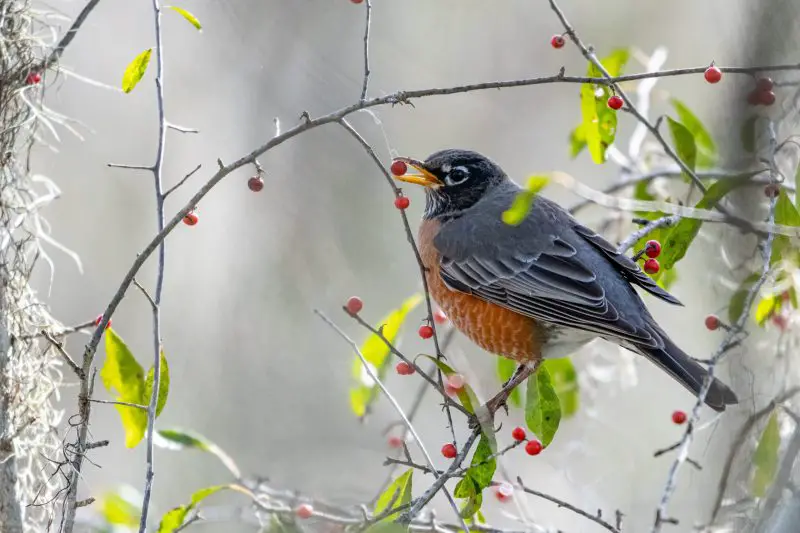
156, 301
130, 167
125, 404
365, 84
186, 177
397, 408
634, 237
56, 53
63, 353
561, 503
181, 129
146, 294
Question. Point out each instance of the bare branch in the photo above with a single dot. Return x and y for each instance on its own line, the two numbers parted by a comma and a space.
63, 353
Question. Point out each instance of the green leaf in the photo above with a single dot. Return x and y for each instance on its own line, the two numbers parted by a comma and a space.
565, 382
521, 205
135, 70
174, 518
396, 495
477, 477
163, 385
748, 134
786, 214
706, 149
767, 307
121, 372
176, 439
577, 141
678, 239
188, 16
684, 145
505, 369
376, 352
736, 305
667, 279
466, 395
119, 511
542, 406
765, 458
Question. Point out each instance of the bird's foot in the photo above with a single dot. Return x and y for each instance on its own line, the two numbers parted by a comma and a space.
484, 415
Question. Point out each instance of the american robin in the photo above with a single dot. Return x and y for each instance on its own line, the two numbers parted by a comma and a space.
540, 289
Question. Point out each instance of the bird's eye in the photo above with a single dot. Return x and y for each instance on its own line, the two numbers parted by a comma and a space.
457, 176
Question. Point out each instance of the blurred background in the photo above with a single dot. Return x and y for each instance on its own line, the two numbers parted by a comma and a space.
252, 367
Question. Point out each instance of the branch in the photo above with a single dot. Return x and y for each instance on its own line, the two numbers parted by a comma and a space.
400, 412
365, 84
58, 51
63, 353
566, 505
634, 237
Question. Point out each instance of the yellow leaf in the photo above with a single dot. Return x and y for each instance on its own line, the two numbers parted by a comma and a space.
121, 372
188, 16
765, 459
135, 70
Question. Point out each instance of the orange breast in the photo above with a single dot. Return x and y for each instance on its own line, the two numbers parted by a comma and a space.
495, 329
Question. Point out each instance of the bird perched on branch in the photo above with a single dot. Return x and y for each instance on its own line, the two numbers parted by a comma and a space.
540, 289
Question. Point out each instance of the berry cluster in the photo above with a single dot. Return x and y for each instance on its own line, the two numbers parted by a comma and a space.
762, 94
652, 249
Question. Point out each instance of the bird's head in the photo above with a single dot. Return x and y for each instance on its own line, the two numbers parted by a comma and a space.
454, 180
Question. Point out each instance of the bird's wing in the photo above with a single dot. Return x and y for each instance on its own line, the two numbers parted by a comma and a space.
549, 268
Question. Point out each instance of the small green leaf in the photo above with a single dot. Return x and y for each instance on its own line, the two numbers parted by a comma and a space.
188, 16
121, 372
119, 511
706, 149
396, 495
667, 279
748, 134
376, 352
135, 70
736, 305
542, 406
163, 385
786, 214
684, 144
678, 239
521, 205
577, 141
174, 518
176, 439
505, 369
477, 477
767, 307
565, 382
765, 458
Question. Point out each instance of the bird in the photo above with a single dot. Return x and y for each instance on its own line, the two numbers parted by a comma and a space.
537, 290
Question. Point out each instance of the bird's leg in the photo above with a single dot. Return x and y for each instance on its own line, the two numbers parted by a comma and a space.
499, 400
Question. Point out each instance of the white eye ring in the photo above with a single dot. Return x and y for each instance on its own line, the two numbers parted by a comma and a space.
448, 180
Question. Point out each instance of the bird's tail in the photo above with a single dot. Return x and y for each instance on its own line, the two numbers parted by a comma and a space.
690, 374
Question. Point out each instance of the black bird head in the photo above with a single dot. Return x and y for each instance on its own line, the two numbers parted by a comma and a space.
454, 180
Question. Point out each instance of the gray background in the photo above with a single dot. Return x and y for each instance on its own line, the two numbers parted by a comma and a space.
252, 367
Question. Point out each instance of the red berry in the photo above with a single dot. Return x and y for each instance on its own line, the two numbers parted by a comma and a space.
557, 41
534, 447
713, 74
754, 98
449, 450
518, 434
766, 98
395, 441
679, 417
33, 78
439, 317
304, 511
402, 202
404, 369
354, 305
356, 1
780, 321
450, 390
399, 168
772, 190
255, 184
100, 319
651, 266
764, 84
615, 102
456, 381
652, 249
786, 296
504, 491
425, 331
190, 219
712, 322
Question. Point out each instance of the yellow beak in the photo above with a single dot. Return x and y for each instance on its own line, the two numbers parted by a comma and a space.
423, 177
